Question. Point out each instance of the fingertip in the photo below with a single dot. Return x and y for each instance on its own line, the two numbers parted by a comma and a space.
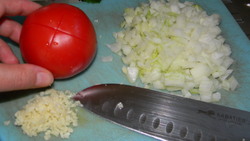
18, 7
43, 79
24, 76
28, 7
6, 54
11, 60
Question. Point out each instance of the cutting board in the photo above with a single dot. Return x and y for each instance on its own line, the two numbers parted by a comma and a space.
106, 18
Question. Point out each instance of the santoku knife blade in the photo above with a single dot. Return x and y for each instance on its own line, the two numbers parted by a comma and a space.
164, 116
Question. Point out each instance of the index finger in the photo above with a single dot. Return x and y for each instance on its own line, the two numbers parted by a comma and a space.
17, 7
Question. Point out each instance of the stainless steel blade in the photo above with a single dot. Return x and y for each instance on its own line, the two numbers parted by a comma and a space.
165, 116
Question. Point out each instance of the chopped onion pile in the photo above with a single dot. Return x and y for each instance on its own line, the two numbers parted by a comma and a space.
175, 46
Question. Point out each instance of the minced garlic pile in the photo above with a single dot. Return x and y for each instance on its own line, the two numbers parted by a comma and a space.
52, 112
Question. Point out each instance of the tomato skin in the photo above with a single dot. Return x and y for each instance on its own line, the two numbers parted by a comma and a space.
60, 38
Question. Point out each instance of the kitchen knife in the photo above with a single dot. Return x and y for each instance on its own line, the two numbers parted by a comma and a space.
164, 116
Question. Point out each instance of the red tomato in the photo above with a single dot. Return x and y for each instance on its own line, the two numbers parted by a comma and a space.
59, 37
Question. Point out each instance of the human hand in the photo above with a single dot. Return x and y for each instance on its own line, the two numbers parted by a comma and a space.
15, 76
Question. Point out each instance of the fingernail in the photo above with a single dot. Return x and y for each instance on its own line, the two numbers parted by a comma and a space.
43, 79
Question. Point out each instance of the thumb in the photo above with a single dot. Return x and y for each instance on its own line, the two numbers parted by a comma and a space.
23, 76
